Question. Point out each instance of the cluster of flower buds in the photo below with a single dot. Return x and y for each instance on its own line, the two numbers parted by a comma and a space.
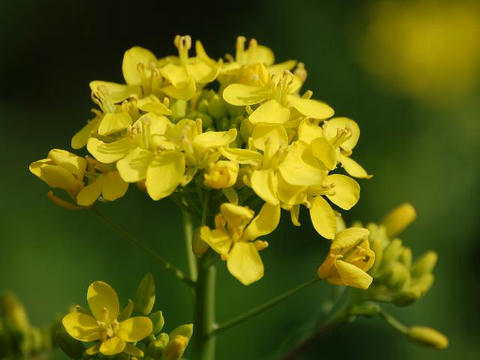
397, 279
114, 332
240, 129
18, 338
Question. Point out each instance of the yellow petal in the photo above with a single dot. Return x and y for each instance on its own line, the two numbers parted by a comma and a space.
290, 194
264, 223
130, 66
347, 191
242, 156
270, 112
82, 327
323, 218
109, 152
175, 74
300, 167
260, 54
202, 72
213, 139
275, 135
311, 108
280, 67
326, 269
244, 263
164, 174
217, 239
331, 126
113, 91
325, 152
135, 329
183, 91
112, 123
348, 238
239, 94
236, 216
80, 139
113, 186
90, 193
353, 168
73, 163
103, 301
264, 183
153, 105
112, 346
133, 167
56, 176
353, 276
133, 350
308, 131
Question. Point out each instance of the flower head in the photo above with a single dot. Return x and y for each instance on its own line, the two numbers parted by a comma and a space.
103, 325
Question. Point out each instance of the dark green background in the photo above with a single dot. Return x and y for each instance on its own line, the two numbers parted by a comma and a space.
50, 50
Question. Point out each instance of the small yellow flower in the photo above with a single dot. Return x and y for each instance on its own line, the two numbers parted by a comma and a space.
115, 336
349, 259
235, 238
221, 175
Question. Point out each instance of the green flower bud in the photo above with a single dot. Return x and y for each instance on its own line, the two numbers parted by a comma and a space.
425, 264
427, 336
156, 347
15, 314
216, 107
71, 347
246, 129
158, 321
398, 219
365, 309
179, 110
145, 296
392, 252
203, 106
183, 330
207, 121
222, 124
397, 276
127, 311
175, 348
405, 257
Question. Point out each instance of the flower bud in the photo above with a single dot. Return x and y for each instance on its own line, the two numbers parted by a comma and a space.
179, 110
158, 321
392, 252
199, 246
397, 276
145, 296
425, 264
216, 107
15, 313
175, 348
398, 219
222, 174
427, 336
157, 347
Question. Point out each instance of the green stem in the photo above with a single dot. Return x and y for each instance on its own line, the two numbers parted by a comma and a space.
188, 236
127, 236
336, 320
394, 323
204, 312
260, 309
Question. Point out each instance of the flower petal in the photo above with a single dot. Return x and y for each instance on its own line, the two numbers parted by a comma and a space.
109, 152
325, 152
352, 275
309, 130
275, 135
213, 139
346, 239
264, 183
353, 168
135, 328
133, 167
113, 186
82, 327
242, 156
323, 218
90, 193
300, 167
80, 139
312, 108
331, 127
114, 122
164, 174
73, 163
270, 112
239, 94
112, 346
103, 301
264, 223
113, 91
347, 191
130, 65
217, 239
244, 263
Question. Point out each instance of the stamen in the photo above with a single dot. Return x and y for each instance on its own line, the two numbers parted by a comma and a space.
183, 44
240, 49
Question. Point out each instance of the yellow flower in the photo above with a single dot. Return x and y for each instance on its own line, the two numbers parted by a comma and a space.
115, 336
235, 238
349, 259
221, 175
276, 100
62, 170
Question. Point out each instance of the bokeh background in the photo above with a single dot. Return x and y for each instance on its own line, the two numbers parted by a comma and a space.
407, 72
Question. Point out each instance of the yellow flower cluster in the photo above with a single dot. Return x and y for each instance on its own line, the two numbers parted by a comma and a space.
168, 131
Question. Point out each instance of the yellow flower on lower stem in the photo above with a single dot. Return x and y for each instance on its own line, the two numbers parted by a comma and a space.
115, 336
349, 259
237, 242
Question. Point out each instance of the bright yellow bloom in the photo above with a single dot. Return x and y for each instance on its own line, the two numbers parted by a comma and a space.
235, 237
349, 259
221, 175
103, 325
62, 170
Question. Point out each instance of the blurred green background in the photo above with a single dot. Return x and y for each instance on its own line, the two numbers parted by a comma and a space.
422, 145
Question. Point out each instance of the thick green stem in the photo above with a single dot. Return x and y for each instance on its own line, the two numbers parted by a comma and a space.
204, 339
188, 236
260, 309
